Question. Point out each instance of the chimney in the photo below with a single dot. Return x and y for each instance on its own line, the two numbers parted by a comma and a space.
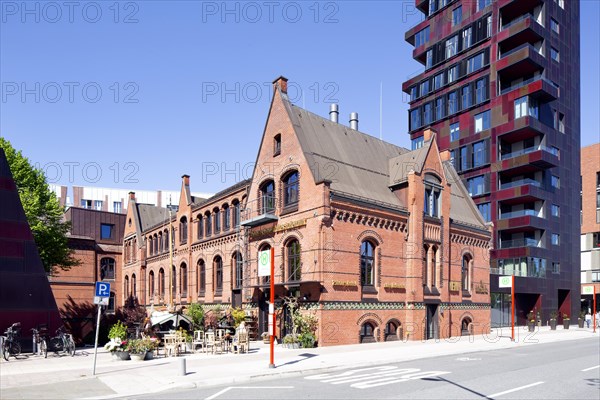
445, 155
354, 121
132, 196
428, 134
186, 180
333, 113
281, 82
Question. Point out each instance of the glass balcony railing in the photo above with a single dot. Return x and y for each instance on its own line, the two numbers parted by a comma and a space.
527, 82
525, 151
520, 182
518, 48
509, 244
520, 213
516, 21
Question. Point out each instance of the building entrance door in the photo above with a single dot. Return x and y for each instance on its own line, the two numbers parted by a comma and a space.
432, 322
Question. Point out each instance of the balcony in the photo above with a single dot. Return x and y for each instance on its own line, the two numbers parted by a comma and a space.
524, 29
537, 87
517, 130
521, 61
528, 160
510, 9
521, 191
520, 213
514, 243
259, 212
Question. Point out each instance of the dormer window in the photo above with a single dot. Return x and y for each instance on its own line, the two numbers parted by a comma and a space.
433, 192
277, 145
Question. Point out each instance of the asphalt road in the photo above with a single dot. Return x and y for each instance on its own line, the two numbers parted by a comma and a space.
562, 370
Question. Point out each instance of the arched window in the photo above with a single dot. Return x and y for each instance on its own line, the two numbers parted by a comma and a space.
161, 283
226, 218
107, 269
183, 233
293, 260
111, 303
433, 265
465, 272
155, 240
238, 263
267, 194
367, 331
218, 268
200, 227
465, 326
183, 280
236, 213
173, 282
126, 286
133, 286
367, 263
425, 269
290, 189
149, 244
217, 220
277, 145
208, 224
265, 279
391, 330
166, 238
201, 277
433, 190
161, 248
133, 249
151, 285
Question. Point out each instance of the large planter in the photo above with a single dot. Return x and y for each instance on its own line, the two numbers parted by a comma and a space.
138, 356
123, 355
580, 322
566, 323
531, 326
552, 324
149, 355
291, 345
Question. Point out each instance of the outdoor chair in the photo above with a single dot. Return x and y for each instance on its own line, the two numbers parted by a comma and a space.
198, 339
209, 341
171, 345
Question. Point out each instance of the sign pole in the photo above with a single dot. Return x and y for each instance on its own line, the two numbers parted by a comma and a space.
272, 310
512, 309
96, 341
594, 308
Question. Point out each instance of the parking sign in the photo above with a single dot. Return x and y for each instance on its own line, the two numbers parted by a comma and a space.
102, 289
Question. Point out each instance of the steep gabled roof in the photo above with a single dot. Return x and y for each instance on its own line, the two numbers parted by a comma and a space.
462, 208
354, 162
401, 165
149, 216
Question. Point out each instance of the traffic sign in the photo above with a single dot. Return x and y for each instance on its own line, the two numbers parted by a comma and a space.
505, 281
103, 301
588, 290
102, 289
264, 263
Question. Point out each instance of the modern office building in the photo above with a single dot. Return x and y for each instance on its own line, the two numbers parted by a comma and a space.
590, 222
501, 87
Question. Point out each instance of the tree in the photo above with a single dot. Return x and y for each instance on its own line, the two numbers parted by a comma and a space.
43, 211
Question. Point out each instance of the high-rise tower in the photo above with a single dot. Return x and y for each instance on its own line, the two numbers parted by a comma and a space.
501, 88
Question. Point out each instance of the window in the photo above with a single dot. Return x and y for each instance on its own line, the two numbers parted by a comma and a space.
438, 81
489, 26
561, 122
466, 97
277, 145
226, 218
218, 268
480, 91
268, 197
485, 210
465, 272
367, 263
208, 224
467, 38
561, 4
151, 287
554, 25
555, 182
98, 205
482, 121
598, 179
126, 286
457, 15
183, 233
183, 280
452, 103
201, 277
429, 58
293, 261
452, 73
106, 231
111, 303
236, 214
366, 333
290, 189
86, 204
160, 243
475, 63
476, 185
454, 132
422, 37
416, 143
555, 239
554, 54
427, 113
432, 201
440, 108
217, 220
161, 283
107, 269
414, 93
116, 206
415, 118
432, 6
464, 158
200, 227
173, 282
451, 46
133, 285
424, 87
554, 151
479, 154
556, 268
239, 269
481, 4
555, 210
595, 276
526, 106
391, 331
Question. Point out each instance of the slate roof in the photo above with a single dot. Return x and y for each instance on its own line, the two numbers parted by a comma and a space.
150, 216
462, 207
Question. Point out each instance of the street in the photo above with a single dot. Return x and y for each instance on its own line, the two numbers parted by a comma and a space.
565, 370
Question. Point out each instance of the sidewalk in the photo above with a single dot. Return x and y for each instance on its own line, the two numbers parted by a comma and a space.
71, 377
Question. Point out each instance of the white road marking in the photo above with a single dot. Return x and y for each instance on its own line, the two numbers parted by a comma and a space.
214, 396
590, 368
515, 389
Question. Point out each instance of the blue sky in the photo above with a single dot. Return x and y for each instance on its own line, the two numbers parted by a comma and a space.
133, 94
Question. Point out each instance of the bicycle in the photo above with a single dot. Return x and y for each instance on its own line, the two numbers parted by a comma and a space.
40, 340
63, 342
11, 346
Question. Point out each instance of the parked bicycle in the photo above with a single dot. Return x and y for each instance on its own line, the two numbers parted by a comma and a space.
62, 342
11, 346
40, 340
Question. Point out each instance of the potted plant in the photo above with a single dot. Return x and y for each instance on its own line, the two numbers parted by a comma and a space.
118, 332
265, 337
238, 316
188, 339
150, 344
115, 346
290, 341
531, 321
136, 349
307, 340
566, 321
196, 312
581, 319
553, 315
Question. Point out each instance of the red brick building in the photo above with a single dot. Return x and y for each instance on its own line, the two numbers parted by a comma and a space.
378, 241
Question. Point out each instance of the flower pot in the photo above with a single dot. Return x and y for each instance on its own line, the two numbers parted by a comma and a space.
123, 355
580, 322
138, 356
531, 326
553, 324
566, 323
149, 355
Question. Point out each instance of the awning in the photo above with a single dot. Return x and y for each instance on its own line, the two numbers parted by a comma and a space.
161, 317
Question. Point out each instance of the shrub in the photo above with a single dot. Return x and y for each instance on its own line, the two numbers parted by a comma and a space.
196, 312
238, 315
307, 340
553, 314
118, 331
